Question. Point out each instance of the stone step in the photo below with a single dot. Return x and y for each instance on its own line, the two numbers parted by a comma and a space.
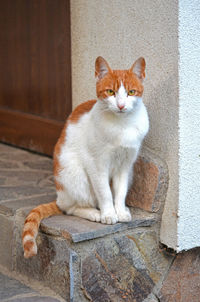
78, 259
64, 242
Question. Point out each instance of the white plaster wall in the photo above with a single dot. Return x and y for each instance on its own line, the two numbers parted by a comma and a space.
121, 31
189, 125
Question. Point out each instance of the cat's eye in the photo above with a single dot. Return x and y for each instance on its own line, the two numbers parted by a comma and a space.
132, 92
110, 92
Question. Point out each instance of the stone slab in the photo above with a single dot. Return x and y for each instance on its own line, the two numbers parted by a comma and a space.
77, 229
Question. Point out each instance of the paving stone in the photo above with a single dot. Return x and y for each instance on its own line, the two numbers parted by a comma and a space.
47, 182
150, 183
24, 177
17, 154
10, 287
10, 207
19, 192
183, 281
41, 164
4, 148
78, 229
33, 299
2, 180
5, 164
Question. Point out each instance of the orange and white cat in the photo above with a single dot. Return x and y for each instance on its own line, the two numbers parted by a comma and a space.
94, 156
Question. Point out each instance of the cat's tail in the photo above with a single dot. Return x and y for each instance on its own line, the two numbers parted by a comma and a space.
32, 224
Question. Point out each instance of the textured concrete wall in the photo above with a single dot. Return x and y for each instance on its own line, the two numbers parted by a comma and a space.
189, 125
121, 31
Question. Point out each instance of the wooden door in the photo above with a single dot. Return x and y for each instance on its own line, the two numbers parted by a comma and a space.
35, 72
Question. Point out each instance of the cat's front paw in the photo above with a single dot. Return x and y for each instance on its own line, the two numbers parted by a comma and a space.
123, 214
109, 217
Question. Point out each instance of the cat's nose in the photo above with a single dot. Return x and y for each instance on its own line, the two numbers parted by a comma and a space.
120, 106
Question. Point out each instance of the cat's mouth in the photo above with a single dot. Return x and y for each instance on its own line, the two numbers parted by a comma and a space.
122, 111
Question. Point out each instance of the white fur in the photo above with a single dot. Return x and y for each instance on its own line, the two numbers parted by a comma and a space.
102, 147
28, 238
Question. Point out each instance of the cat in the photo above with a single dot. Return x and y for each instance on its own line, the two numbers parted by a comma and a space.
95, 154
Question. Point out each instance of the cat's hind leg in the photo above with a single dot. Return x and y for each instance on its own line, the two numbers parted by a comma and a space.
68, 205
91, 214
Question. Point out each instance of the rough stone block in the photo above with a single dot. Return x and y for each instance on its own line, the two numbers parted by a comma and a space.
110, 273
124, 267
149, 184
183, 281
156, 262
151, 298
51, 265
6, 241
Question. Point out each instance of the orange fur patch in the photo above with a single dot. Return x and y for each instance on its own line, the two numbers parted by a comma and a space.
80, 110
28, 245
73, 118
31, 220
37, 212
56, 164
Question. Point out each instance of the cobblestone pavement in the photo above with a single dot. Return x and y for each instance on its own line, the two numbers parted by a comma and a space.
26, 180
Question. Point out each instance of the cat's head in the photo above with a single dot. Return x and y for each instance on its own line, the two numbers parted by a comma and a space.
119, 90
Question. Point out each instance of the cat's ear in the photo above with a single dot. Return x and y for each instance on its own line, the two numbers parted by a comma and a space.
101, 68
139, 68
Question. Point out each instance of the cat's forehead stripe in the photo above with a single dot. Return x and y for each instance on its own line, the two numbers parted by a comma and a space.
122, 91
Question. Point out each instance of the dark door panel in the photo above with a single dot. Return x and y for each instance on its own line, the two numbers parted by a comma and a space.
35, 71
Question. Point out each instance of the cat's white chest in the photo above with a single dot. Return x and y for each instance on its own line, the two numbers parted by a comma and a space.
129, 138
122, 137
